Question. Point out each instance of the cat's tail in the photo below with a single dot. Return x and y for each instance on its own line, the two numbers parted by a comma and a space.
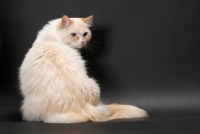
98, 113
114, 111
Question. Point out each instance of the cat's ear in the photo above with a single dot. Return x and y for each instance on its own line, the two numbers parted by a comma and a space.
65, 22
88, 20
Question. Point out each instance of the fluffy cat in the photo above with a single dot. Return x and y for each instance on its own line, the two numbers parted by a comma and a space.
54, 81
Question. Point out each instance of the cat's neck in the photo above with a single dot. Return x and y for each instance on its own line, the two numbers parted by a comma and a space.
49, 33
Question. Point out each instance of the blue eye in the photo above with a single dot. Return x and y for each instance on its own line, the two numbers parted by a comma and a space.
73, 34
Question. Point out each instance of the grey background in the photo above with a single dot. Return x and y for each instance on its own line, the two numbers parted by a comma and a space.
146, 52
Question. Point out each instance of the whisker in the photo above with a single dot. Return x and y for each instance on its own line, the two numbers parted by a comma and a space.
85, 49
94, 42
94, 45
91, 49
88, 49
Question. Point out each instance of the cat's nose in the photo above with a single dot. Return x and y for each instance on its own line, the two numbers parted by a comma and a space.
82, 42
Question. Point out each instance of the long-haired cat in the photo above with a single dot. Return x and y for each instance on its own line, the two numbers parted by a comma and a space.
54, 81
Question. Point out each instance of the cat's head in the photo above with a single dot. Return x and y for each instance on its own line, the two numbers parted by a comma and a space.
75, 31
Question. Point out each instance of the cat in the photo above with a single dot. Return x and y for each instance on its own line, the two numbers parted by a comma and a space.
54, 81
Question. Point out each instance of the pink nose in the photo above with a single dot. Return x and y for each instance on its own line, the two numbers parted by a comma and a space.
82, 42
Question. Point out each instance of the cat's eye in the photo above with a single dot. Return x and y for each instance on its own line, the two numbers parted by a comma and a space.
73, 34
85, 34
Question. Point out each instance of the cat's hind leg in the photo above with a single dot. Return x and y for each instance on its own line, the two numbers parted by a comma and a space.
66, 118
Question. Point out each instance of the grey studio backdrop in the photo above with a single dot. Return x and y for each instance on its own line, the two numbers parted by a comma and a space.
145, 53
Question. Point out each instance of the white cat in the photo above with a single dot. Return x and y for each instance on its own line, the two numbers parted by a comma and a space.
54, 81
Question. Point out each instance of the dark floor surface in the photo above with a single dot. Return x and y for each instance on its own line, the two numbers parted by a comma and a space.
151, 125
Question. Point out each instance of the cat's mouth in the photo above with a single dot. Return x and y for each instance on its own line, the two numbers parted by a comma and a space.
82, 44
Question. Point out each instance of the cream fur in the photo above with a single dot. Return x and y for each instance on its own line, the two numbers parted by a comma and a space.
54, 81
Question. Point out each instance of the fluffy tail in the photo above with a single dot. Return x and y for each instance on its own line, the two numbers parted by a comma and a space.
124, 111
114, 111
98, 113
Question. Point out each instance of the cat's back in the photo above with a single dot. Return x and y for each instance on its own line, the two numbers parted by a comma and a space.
49, 61
42, 52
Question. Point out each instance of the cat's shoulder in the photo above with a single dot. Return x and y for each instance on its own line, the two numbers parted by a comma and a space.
54, 48
50, 45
